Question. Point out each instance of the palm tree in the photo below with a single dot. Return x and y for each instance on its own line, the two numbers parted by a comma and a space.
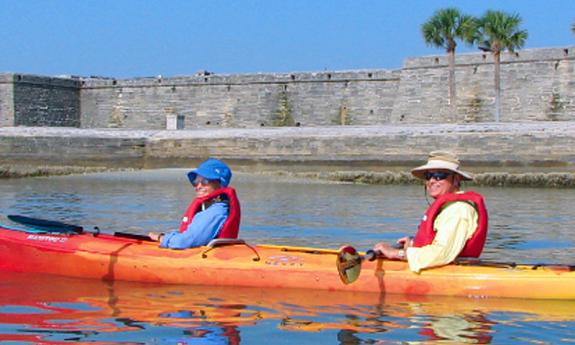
499, 31
442, 30
573, 27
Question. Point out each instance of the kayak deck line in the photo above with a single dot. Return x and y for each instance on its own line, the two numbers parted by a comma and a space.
235, 263
311, 250
512, 265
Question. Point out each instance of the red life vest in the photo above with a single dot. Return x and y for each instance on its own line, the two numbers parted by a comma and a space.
232, 224
474, 245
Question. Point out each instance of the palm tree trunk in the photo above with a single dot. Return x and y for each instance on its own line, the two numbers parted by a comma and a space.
497, 58
452, 104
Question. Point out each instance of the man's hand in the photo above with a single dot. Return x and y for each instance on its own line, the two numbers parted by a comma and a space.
405, 242
389, 251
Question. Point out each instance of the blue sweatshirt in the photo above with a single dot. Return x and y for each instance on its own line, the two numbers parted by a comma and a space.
205, 226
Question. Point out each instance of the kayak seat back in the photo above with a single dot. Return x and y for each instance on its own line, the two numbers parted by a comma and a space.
223, 242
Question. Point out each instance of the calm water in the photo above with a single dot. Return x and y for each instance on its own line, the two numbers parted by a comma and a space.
527, 225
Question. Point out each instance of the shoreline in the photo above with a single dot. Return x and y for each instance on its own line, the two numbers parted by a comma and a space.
495, 179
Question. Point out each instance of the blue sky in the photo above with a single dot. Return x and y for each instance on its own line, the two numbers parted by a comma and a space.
137, 38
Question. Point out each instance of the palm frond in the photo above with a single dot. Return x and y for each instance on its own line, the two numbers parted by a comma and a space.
448, 25
500, 31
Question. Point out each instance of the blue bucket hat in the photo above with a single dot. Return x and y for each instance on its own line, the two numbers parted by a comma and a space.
212, 169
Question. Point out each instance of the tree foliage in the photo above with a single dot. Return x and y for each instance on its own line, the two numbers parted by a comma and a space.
448, 25
499, 31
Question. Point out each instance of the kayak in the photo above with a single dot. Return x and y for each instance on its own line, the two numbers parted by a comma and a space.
75, 252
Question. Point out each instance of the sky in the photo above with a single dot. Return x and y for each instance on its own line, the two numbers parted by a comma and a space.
140, 38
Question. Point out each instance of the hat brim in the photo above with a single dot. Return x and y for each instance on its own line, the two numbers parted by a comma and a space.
419, 172
197, 172
192, 176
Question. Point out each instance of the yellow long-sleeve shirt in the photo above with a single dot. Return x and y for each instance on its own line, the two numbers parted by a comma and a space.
454, 225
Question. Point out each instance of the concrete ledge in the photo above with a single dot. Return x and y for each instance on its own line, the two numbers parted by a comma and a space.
490, 147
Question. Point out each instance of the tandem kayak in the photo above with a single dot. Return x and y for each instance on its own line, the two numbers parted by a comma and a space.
73, 252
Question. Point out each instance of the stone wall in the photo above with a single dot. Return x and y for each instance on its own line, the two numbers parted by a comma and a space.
537, 85
44, 101
537, 146
6, 100
260, 100
28, 100
57, 146
526, 147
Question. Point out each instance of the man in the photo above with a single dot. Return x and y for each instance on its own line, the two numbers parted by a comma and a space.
214, 213
455, 224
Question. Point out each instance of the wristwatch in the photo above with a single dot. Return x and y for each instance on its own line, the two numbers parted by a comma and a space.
401, 253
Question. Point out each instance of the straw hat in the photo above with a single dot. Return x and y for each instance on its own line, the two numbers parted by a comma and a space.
441, 160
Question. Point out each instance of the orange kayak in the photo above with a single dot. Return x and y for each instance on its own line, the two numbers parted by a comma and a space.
236, 263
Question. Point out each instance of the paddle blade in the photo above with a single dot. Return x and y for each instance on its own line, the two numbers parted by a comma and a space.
46, 225
348, 264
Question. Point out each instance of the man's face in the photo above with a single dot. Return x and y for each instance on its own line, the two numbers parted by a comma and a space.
440, 181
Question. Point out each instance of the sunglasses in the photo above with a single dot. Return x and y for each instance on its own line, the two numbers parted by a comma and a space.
201, 181
438, 175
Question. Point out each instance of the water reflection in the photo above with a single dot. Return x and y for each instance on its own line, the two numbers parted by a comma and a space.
60, 310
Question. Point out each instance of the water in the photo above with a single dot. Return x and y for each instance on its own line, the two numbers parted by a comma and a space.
526, 225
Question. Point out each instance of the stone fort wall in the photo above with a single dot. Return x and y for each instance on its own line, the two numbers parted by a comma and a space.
28, 100
240, 101
537, 85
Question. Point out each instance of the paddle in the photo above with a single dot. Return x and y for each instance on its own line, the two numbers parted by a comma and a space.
60, 227
349, 263
47, 225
